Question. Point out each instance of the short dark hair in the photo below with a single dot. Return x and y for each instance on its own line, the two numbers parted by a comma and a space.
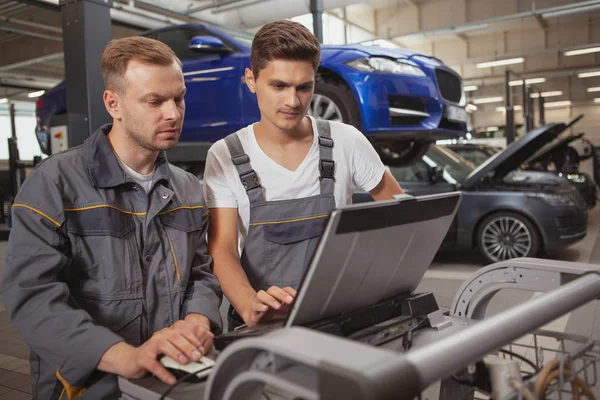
286, 40
120, 52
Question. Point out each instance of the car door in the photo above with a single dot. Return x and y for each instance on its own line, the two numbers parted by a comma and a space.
214, 86
415, 180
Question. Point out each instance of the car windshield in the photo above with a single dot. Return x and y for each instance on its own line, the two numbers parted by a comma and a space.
455, 169
242, 37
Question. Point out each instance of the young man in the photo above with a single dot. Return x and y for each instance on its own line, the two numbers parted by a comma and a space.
276, 181
107, 265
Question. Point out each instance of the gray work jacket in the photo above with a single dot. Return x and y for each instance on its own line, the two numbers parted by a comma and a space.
94, 260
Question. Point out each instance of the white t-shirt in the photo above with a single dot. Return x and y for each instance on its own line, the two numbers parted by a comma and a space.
357, 167
145, 181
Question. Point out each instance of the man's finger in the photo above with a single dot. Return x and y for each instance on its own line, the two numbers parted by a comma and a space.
187, 343
156, 369
191, 332
256, 317
166, 347
207, 342
269, 300
280, 294
291, 291
259, 307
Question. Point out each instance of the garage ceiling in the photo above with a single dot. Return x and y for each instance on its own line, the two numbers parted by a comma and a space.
463, 33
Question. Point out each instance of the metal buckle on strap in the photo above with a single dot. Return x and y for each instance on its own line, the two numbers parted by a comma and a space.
237, 160
250, 180
327, 169
325, 141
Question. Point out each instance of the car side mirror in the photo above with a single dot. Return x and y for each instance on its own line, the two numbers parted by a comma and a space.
436, 174
207, 44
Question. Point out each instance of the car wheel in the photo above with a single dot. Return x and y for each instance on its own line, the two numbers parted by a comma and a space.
506, 235
401, 153
334, 101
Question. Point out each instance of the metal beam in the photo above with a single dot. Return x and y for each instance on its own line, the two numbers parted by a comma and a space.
548, 12
316, 9
541, 110
223, 6
30, 24
348, 22
462, 37
86, 32
32, 34
193, 10
543, 24
31, 61
509, 132
41, 4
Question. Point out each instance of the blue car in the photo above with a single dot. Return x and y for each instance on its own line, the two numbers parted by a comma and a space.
399, 99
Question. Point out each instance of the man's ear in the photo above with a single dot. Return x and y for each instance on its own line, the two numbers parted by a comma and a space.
249, 76
112, 103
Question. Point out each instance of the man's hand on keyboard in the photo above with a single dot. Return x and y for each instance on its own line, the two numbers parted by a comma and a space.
274, 303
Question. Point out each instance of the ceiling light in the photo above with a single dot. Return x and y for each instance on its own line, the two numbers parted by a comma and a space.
529, 81
470, 88
36, 94
4, 100
499, 63
581, 51
558, 104
547, 94
503, 109
485, 100
471, 107
588, 74
594, 89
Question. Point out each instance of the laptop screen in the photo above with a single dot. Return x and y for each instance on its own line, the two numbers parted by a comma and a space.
370, 252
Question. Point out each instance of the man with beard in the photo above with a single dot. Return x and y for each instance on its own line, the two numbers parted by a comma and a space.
107, 266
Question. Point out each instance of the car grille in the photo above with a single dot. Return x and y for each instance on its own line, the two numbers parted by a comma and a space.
588, 192
571, 224
406, 103
449, 84
578, 200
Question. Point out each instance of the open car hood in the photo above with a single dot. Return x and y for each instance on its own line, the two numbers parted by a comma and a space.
551, 147
515, 154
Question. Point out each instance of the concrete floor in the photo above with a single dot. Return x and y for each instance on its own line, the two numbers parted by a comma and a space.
445, 276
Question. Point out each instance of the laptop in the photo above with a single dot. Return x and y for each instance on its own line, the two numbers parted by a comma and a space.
368, 253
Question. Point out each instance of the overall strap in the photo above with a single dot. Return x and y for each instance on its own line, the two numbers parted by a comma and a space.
326, 163
248, 176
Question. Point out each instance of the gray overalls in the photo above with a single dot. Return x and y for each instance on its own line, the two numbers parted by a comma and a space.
282, 235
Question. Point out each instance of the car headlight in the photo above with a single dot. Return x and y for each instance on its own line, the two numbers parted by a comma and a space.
555, 199
386, 65
577, 178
